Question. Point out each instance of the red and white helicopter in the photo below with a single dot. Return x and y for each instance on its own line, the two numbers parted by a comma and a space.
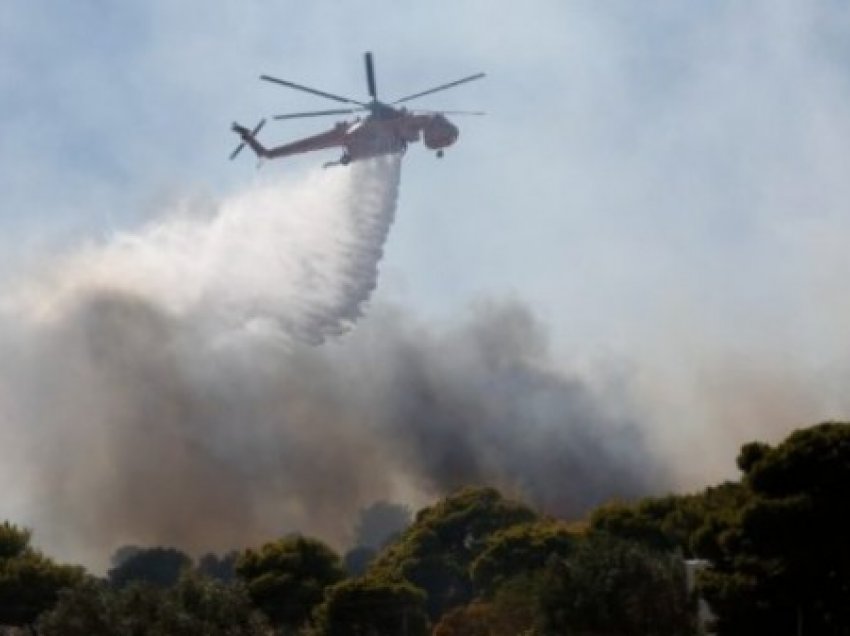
385, 130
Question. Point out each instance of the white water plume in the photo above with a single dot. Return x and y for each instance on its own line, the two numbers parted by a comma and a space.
299, 256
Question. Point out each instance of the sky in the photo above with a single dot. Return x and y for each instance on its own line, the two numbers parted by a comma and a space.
662, 185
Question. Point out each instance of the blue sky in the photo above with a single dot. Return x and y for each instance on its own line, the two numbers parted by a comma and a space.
663, 183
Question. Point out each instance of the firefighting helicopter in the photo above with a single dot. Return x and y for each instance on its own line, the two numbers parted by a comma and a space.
386, 129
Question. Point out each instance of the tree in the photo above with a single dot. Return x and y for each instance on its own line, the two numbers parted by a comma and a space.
643, 522
14, 541
122, 554
514, 609
781, 564
475, 619
436, 552
519, 550
29, 581
372, 606
612, 586
194, 606
674, 522
87, 609
287, 578
160, 567
221, 568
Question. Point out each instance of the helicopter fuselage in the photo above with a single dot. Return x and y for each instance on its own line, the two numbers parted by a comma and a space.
389, 130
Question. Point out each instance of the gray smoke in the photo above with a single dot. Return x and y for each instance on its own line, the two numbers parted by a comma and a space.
135, 429
162, 387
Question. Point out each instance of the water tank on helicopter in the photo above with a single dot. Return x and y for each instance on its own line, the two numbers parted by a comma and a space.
439, 132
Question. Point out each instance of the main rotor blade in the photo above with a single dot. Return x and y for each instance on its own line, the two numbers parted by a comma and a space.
307, 89
370, 75
319, 113
450, 112
440, 88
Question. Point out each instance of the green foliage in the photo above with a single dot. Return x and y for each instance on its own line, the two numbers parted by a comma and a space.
194, 606
513, 610
123, 553
721, 508
29, 581
87, 609
476, 564
782, 561
751, 454
813, 461
14, 541
436, 552
372, 606
221, 568
643, 522
674, 522
287, 578
613, 586
475, 619
603, 586
516, 606
160, 567
518, 550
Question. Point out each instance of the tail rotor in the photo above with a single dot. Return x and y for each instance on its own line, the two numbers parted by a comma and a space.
244, 132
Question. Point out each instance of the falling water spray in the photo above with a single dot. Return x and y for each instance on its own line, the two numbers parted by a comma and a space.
300, 257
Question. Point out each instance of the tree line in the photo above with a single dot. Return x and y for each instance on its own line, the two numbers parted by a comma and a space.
479, 564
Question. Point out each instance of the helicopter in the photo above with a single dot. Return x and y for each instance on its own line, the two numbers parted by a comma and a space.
386, 128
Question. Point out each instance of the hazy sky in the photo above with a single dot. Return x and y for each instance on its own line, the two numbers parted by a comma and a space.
632, 156
662, 183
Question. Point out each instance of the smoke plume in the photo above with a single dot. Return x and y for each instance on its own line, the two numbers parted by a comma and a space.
138, 430
163, 388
